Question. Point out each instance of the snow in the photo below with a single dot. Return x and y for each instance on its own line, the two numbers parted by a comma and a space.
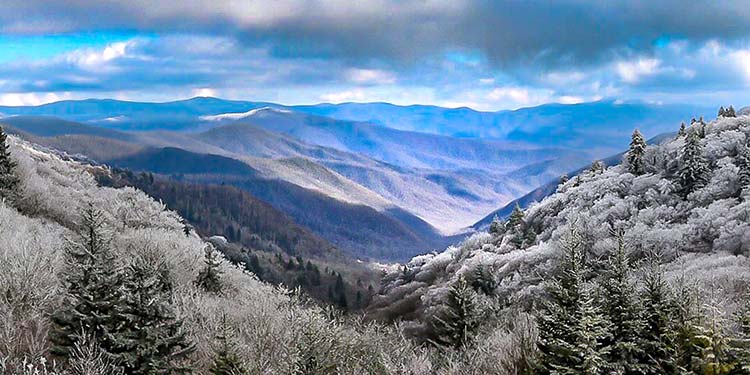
241, 115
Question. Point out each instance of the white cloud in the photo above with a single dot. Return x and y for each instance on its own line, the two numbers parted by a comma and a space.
370, 76
205, 91
515, 94
633, 71
344, 96
570, 99
31, 98
96, 59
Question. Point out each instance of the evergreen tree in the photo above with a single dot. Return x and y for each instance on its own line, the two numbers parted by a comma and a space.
693, 169
226, 361
8, 179
622, 308
93, 290
462, 317
496, 227
730, 112
686, 319
682, 131
741, 343
716, 353
658, 334
743, 162
722, 112
186, 229
571, 326
151, 339
635, 154
516, 226
209, 278
597, 167
483, 280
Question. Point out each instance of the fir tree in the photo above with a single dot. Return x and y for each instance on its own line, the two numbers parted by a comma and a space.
682, 131
741, 343
515, 226
93, 290
571, 326
8, 179
622, 308
186, 229
635, 154
496, 227
225, 360
743, 162
151, 339
483, 280
457, 325
686, 319
722, 112
730, 112
597, 167
658, 334
693, 169
209, 278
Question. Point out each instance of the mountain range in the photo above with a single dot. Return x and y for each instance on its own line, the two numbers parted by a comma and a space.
423, 174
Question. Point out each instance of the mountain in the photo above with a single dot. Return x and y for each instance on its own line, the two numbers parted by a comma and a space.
549, 188
699, 231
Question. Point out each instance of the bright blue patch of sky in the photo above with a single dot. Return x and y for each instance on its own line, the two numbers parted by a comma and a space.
39, 47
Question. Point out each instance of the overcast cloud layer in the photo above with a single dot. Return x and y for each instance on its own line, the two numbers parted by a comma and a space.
485, 54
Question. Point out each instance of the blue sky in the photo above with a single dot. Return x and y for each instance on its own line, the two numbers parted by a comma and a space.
489, 55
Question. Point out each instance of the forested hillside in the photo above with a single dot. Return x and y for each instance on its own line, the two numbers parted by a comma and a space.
641, 267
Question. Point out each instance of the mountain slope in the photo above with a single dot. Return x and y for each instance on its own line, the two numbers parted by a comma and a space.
704, 235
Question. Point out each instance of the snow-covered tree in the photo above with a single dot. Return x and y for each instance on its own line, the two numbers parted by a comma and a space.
622, 307
151, 339
693, 168
743, 162
682, 131
8, 178
209, 278
634, 156
572, 328
658, 335
462, 316
225, 359
516, 226
722, 112
730, 112
564, 178
496, 227
92, 301
597, 166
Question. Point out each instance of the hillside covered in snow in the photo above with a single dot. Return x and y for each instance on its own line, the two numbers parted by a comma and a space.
684, 202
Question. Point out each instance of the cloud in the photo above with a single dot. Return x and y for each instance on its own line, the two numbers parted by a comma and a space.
370, 76
344, 96
633, 71
508, 33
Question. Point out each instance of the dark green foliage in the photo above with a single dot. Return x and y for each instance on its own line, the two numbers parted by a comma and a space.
8, 179
572, 328
730, 112
209, 278
634, 156
457, 325
516, 226
658, 335
682, 131
622, 308
743, 162
496, 227
722, 112
483, 281
93, 289
693, 168
564, 178
151, 339
225, 360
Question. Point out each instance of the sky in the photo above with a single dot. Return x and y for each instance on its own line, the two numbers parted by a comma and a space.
488, 55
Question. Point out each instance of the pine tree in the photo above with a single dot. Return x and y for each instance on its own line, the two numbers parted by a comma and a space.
622, 308
730, 112
226, 361
682, 131
686, 320
93, 290
635, 154
483, 280
741, 343
516, 226
186, 229
8, 179
597, 167
743, 162
658, 334
716, 354
722, 112
151, 339
571, 326
457, 325
693, 169
209, 278
496, 227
